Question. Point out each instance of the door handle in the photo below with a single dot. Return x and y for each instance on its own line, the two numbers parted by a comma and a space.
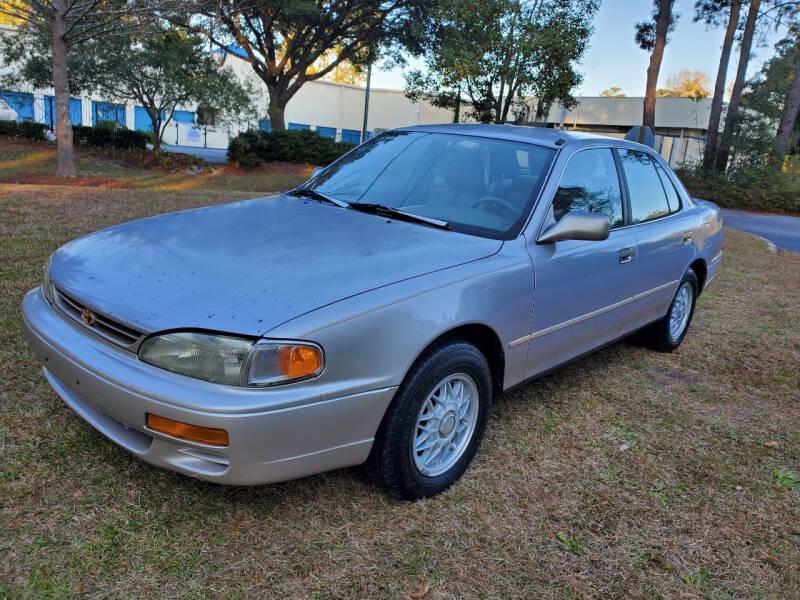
625, 255
687, 237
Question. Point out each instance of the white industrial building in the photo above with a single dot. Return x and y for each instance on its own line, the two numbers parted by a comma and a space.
337, 110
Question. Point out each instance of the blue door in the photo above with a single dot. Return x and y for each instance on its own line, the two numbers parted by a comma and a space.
75, 111
183, 116
21, 102
328, 132
107, 111
50, 111
141, 120
351, 136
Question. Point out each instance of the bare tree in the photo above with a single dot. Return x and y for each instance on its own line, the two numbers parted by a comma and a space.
69, 23
652, 36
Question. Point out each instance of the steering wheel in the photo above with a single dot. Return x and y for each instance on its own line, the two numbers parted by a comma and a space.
511, 212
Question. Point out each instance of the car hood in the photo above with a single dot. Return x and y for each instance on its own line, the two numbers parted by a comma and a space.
247, 267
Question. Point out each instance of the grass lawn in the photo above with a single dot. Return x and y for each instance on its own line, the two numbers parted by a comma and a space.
627, 474
21, 158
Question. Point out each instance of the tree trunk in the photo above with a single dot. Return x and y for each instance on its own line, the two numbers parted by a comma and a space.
500, 112
509, 100
663, 21
275, 111
790, 110
156, 122
66, 159
738, 86
712, 136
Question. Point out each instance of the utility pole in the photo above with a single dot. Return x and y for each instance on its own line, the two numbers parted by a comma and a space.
366, 105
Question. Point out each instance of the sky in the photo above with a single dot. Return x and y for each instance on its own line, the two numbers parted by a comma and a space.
613, 59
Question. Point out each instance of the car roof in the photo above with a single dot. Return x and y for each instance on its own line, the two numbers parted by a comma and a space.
552, 138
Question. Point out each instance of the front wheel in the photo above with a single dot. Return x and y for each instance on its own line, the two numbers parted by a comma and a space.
668, 333
434, 424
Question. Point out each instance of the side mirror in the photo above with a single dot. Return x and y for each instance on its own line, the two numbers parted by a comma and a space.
316, 171
577, 225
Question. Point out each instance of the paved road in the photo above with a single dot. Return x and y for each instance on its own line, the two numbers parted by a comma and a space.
782, 231
211, 155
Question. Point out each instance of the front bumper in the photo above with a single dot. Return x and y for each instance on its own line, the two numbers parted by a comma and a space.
275, 434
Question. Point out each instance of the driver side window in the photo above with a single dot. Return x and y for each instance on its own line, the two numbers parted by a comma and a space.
590, 183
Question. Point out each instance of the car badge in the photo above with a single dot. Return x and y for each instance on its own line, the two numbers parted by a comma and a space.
87, 316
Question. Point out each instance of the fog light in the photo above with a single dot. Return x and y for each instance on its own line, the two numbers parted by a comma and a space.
184, 431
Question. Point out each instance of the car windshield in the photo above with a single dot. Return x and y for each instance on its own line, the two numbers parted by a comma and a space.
480, 186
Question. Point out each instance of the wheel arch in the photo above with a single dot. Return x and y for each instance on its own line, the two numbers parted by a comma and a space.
701, 270
485, 339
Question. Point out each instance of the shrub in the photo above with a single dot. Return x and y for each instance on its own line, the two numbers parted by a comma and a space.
92, 136
28, 129
107, 133
129, 138
252, 148
755, 189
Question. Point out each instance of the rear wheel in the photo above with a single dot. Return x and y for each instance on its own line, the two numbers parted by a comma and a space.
668, 333
434, 424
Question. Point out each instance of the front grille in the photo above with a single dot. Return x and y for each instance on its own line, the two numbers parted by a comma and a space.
112, 330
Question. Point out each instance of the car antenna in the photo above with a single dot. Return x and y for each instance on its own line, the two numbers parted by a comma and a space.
561, 141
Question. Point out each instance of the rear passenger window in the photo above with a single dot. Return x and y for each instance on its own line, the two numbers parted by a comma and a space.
647, 197
590, 183
672, 195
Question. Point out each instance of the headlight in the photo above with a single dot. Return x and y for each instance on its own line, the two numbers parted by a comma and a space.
47, 285
232, 360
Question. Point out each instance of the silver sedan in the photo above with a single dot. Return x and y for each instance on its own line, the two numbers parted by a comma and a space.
374, 313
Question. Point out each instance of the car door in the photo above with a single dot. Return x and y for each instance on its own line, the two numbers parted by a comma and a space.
662, 230
582, 288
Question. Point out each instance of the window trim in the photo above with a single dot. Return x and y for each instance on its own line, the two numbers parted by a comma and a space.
548, 217
661, 178
627, 189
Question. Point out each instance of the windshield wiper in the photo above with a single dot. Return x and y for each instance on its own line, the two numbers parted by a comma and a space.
310, 193
388, 211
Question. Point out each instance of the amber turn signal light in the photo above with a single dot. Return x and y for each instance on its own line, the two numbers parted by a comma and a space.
299, 361
184, 431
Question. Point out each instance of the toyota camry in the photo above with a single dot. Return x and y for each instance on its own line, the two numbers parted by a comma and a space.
374, 313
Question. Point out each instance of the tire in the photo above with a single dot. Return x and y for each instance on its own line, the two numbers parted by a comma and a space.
395, 462
667, 334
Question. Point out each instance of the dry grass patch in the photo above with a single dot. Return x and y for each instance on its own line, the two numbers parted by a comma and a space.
627, 474
24, 161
